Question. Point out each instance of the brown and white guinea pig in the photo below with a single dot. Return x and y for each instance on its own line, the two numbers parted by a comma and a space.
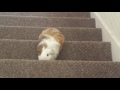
51, 43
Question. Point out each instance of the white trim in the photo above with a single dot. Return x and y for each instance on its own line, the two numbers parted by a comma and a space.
108, 29
108, 36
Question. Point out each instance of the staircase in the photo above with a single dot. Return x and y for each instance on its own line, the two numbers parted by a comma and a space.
84, 55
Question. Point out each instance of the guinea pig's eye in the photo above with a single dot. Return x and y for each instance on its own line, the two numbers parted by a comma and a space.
47, 54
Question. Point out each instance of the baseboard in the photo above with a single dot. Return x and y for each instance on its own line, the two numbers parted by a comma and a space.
108, 36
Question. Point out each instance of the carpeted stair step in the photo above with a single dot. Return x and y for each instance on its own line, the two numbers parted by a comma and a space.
32, 33
50, 14
72, 50
58, 69
47, 21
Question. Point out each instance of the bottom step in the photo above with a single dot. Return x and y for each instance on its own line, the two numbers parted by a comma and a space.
58, 69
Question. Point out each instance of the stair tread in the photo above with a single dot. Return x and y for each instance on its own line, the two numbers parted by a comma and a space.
47, 21
58, 69
71, 34
84, 50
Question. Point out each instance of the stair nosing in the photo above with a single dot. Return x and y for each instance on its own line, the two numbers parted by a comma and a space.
47, 27
65, 41
82, 61
44, 16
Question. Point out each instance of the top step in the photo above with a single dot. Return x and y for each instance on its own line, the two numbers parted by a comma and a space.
49, 14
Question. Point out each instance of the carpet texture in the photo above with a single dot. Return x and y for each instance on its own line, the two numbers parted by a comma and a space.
49, 14
58, 69
84, 54
26, 49
47, 21
32, 33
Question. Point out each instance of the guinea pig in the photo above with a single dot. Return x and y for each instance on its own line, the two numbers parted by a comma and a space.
51, 41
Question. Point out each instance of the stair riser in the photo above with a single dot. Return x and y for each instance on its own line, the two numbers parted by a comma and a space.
33, 33
46, 22
71, 51
49, 14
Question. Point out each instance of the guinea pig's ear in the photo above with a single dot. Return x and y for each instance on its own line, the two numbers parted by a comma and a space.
39, 52
39, 49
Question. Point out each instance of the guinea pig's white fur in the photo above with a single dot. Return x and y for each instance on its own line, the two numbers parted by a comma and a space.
50, 45
51, 51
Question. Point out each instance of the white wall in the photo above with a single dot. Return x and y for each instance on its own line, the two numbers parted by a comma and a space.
110, 24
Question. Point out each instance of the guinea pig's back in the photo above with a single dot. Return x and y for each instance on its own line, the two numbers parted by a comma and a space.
55, 33
50, 31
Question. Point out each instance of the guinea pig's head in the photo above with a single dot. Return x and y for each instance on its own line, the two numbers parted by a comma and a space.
45, 53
